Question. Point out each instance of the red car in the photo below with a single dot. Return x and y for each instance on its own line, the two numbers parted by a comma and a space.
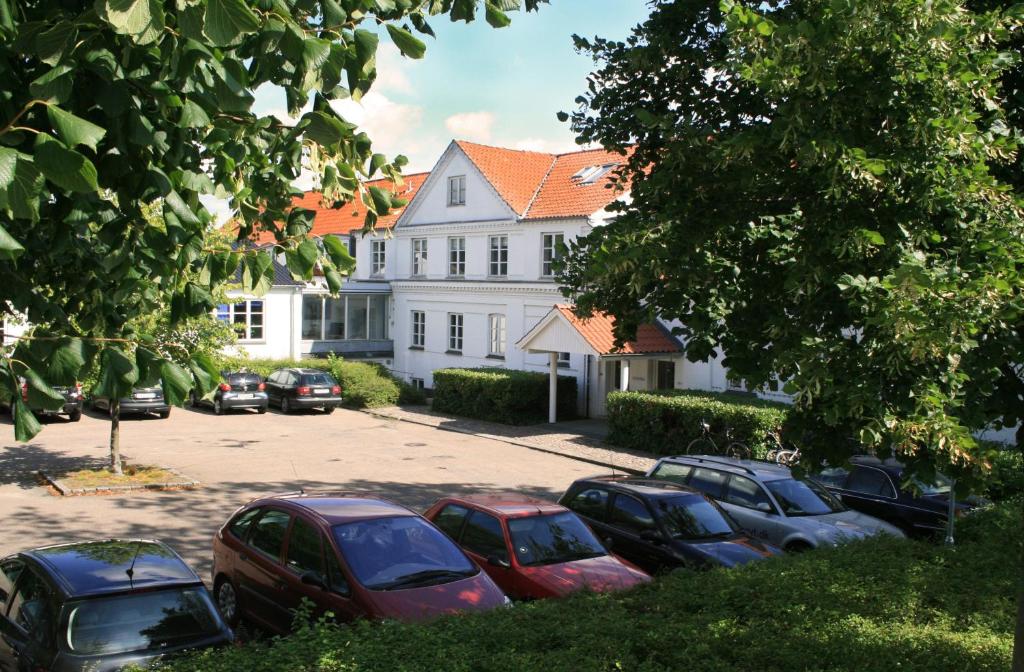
532, 548
357, 556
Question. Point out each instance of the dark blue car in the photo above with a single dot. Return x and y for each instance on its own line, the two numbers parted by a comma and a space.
101, 606
660, 526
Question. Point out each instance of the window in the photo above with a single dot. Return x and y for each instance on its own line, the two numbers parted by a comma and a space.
355, 316
457, 190
267, 534
483, 535
745, 492
246, 317
312, 317
735, 384
377, 317
334, 325
564, 359
240, 526
377, 257
631, 514
450, 520
457, 256
352, 240
304, 552
499, 256
708, 481
419, 328
870, 482
455, 323
9, 572
497, 335
592, 503
550, 251
32, 606
666, 375
677, 473
336, 581
417, 384
419, 256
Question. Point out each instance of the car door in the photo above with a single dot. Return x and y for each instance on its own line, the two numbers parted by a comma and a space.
483, 540
12, 638
29, 623
274, 387
871, 491
752, 508
591, 504
306, 555
260, 573
637, 536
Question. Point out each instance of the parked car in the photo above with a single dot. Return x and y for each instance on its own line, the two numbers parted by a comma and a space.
143, 400
876, 488
767, 501
101, 606
293, 389
532, 548
661, 526
356, 556
72, 401
238, 389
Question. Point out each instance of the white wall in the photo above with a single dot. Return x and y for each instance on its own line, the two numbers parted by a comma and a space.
282, 313
483, 203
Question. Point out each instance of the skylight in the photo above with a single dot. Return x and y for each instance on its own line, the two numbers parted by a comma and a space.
591, 174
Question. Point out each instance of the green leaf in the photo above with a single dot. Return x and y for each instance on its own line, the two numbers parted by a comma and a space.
176, 382
193, 116
323, 129
338, 253
8, 160
25, 424
143, 20
10, 249
227, 20
65, 167
52, 43
765, 28
302, 260
496, 17
23, 192
40, 393
118, 374
205, 371
377, 161
148, 363
258, 274
366, 50
407, 43
74, 130
381, 200
65, 363
334, 280
55, 86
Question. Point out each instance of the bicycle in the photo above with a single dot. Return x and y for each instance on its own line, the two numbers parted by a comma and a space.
787, 457
734, 448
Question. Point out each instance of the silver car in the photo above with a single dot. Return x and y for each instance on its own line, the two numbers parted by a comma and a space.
766, 500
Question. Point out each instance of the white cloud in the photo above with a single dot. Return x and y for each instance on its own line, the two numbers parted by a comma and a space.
395, 128
394, 71
474, 126
559, 146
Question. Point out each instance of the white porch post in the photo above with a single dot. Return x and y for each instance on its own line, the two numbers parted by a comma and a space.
624, 382
553, 387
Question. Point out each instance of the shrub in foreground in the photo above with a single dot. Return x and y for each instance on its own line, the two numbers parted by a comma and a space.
501, 395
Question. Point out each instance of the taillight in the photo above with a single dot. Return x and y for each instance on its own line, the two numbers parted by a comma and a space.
261, 387
78, 390
24, 391
336, 389
302, 391
224, 387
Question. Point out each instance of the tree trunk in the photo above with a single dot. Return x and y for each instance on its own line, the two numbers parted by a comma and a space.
115, 436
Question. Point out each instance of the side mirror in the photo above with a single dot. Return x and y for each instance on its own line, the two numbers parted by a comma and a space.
495, 561
313, 579
764, 507
651, 536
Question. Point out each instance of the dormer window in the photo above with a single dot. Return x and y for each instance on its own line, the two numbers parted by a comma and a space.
457, 190
591, 174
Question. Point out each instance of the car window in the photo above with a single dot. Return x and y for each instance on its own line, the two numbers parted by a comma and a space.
833, 476
592, 502
317, 379
709, 481
630, 513
693, 517
450, 520
32, 605
293, 378
267, 533
803, 498
667, 471
9, 571
304, 552
241, 524
483, 535
743, 491
336, 580
553, 538
870, 482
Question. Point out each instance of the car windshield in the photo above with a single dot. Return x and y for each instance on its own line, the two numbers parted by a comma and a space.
400, 552
553, 538
693, 517
940, 486
803, 498
140, 622
317, 379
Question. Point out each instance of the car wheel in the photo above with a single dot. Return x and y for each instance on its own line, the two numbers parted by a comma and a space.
261, 410
227, 601
286, 406
798, 547
165, 414
75, 416
218, 408
328, 409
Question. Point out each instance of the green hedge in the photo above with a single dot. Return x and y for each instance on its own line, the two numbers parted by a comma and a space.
875, 605
364, 385
665, 422
1007, 478
501, 395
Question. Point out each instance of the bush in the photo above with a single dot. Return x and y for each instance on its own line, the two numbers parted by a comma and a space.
363, 384
879, 604
501, 395
666, 422
1007, 478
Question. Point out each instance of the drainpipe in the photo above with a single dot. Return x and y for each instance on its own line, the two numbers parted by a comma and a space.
553, 387
586, 386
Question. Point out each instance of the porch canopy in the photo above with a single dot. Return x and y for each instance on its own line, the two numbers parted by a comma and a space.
561, 330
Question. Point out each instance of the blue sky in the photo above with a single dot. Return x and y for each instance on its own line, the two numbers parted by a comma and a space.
500, 87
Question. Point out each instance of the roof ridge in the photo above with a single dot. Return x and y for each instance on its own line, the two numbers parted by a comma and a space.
540, 185
504, 149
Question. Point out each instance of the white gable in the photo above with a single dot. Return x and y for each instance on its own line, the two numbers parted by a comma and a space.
554, 334
483, 203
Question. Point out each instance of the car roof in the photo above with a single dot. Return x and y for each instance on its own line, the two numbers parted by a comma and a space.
648, 487
508, 504
94, 568
889, 465
310, 371
336, 508
766, 471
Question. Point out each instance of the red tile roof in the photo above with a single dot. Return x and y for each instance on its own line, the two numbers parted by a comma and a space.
597, 331
515, 174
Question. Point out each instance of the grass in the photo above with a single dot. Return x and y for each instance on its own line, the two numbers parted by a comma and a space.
133, 475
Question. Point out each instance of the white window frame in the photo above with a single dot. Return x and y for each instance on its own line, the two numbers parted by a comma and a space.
457, 256
457, 190
228, 316
419, 257
417, 384
549, 252
378, 257
497, 256
497, 334
456, 331
419, 328
565, 359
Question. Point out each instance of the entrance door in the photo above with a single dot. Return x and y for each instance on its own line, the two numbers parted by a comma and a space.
666, 375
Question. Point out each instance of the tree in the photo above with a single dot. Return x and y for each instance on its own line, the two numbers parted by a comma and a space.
111, 107
829, 193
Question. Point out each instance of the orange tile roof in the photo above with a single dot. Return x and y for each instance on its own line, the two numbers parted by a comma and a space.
597, 331
515, 174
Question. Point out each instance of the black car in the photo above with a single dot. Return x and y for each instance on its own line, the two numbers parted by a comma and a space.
293, 389
238, 389
143, 400
660, 526
876, 487
72, 401
101, 606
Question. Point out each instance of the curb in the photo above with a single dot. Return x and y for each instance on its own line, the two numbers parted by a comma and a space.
186, 483
509, 440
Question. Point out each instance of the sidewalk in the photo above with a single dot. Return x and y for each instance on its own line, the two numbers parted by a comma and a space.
581, 440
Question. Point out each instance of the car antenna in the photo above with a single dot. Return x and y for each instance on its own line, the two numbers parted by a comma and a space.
302, 490
131, 568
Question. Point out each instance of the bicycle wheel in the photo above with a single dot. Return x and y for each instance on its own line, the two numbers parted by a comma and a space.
702, 446
737, 450
787, 458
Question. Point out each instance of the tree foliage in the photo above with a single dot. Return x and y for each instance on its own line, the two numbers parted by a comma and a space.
109, 107
824, 191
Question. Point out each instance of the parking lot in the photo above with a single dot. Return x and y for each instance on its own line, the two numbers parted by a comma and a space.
243, 455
